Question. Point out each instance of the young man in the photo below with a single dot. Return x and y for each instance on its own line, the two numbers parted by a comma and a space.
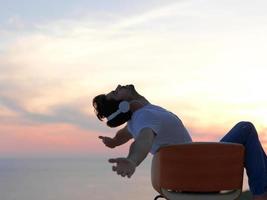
153, 127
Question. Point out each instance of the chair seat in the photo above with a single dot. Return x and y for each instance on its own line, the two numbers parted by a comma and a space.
199, 167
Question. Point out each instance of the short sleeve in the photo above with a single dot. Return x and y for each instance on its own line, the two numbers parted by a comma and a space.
146, 119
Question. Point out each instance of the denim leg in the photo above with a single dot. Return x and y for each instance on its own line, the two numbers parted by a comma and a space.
255, 157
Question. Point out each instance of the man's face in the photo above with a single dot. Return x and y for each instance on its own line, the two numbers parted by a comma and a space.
121, 93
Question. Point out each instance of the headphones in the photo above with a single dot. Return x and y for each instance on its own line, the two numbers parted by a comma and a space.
124, 107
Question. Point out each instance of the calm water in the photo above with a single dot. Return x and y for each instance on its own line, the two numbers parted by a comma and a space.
71, 179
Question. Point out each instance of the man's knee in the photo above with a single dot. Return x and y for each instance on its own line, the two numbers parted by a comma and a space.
248, 126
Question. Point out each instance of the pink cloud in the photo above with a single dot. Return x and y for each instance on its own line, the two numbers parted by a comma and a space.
206, 133
48, 140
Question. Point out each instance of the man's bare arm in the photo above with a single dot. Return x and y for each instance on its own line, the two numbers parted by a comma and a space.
138, 152
122, 136
140, 148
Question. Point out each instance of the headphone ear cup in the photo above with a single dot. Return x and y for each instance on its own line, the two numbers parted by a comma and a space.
124, 106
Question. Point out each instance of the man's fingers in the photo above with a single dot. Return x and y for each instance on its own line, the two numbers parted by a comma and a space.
113, 160
104, 139
114, 168
129, 174
121, 168
121, 172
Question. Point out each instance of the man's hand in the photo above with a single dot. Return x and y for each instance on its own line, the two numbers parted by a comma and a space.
109, 142
124, 167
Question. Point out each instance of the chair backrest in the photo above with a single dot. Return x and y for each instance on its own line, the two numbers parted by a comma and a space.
198, 167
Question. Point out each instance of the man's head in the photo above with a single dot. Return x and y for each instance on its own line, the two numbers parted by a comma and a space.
107, 104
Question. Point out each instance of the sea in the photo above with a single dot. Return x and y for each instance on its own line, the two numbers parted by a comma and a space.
73, 178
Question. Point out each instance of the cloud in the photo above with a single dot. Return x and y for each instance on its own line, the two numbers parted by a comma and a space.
11, 104
188, 52
15, 22
169, 10
60, 114
67, 114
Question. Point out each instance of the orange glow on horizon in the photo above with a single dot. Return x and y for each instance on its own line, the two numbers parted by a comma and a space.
48, 139
64, 139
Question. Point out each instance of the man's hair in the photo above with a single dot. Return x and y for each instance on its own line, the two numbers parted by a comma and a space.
104, 108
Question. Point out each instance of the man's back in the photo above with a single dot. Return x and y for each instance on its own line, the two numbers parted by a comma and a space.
168, 128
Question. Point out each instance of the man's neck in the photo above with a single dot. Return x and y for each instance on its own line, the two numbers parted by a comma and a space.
138, 103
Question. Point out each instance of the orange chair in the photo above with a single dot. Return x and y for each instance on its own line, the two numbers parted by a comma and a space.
199, 170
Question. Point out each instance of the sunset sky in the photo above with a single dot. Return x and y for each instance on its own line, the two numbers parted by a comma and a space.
204, 60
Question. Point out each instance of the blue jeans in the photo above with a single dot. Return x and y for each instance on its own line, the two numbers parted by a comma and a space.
255, 157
